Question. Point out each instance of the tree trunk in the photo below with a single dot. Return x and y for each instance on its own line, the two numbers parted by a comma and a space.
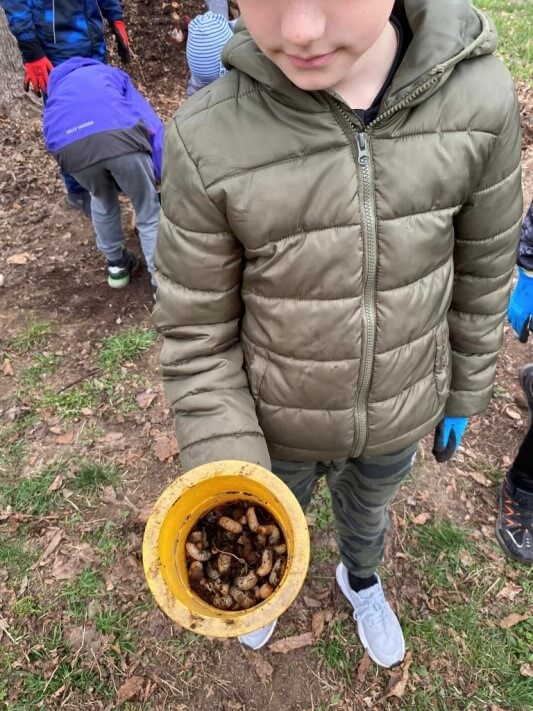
11, 70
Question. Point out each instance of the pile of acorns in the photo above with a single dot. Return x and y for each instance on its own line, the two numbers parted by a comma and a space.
236, 556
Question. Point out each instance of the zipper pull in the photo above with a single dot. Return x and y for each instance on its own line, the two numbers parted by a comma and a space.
363, 156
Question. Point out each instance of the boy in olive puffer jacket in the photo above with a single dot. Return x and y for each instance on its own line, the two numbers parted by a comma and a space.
333, 288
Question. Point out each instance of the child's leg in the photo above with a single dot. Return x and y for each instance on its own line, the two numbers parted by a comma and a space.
105, 210
522, 469
361, 492
134, 173
300, 477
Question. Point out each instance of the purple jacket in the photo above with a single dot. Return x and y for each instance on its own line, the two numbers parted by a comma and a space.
86, 97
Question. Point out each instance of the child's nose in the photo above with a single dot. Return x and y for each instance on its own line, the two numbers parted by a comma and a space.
303, 22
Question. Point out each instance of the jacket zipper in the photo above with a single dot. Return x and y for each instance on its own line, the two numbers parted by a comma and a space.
369, 226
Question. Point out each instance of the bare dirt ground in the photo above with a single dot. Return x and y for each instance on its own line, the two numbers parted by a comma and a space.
87, 444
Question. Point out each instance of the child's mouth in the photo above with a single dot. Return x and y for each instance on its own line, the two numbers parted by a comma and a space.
319, 60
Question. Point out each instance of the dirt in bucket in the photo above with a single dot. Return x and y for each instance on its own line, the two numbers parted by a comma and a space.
236, 556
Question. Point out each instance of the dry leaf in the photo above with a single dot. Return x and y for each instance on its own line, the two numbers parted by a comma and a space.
66, 437
311, 602
310, 519
165, 447
52, 546
289, 644
145, 399
19, 259
512, 620
56, 484
421, 519
3, 627
317, 623
112, 438
363, 667
7, 368
399, 685
510, 591
512, 414
479, 477
527, 670
262, 668
130, 688
144, 512
23, 586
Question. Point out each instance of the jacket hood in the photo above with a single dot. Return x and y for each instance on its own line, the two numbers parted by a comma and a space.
71, 65
444, 34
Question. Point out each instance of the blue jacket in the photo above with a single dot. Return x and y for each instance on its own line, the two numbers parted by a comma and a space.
60, 29
86, 97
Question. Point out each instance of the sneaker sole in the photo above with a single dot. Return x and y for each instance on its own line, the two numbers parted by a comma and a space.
265, 642
361, 632
119, 283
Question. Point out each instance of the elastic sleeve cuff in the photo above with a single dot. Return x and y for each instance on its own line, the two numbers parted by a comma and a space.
31, 50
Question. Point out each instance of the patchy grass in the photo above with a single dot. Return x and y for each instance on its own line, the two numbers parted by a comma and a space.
43, 365
321, 508
92, 476
30, 495
514, 21
17, 556
12, 456
34, 333
70, 403
76, 595
336, 650
125, 346
441, 543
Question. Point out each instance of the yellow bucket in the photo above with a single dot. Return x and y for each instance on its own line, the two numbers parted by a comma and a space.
175, 514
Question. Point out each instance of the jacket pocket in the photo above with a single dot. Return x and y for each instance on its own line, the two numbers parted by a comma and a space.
441, 369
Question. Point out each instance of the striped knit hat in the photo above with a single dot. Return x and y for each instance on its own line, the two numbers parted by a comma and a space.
207, 36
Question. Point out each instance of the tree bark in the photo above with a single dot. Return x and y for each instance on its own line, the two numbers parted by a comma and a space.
11, 70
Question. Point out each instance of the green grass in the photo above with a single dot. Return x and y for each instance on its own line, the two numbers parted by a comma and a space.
514, 21
125, 346
337, 650
12, 456
441, 544
76, 595
34, 333
26, 607
43, 365
30, 496
115, 624
91, 476
487, 659
321, 507
17, 556
70, 403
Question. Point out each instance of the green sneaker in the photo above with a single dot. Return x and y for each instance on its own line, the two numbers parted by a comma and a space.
119, 273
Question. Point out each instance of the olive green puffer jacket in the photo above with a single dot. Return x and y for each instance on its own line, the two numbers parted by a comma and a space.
331, 289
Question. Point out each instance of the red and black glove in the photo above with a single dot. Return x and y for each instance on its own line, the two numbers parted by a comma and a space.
123, 42
36, 75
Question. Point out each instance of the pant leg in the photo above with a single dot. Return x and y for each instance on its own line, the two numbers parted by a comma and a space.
522, 469
134, 173
105, 209
71, 184
300, 477
219, 7
361, 491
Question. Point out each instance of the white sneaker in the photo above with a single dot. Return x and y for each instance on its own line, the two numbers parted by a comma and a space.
258, 639
378, 627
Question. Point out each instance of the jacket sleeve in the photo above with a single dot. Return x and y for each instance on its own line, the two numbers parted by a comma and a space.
525, 253
111, 10
198, 271
22, 26
487, 230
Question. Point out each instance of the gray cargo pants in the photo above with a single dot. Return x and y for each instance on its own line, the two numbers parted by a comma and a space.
134, 174
361, 491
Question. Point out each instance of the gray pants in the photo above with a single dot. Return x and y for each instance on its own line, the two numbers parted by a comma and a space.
361, 491
134, 174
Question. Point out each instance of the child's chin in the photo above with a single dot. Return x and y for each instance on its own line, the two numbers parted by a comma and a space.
312, 80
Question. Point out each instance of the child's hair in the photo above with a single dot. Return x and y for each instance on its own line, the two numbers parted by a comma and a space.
207, 35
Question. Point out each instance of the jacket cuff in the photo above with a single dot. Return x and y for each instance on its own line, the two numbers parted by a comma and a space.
31, 50
466, 403
245, 448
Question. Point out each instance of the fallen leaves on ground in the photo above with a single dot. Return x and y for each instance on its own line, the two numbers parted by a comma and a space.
477, 476
289, 644
165, 447
317, 624
130, 688
363, 667
510, 591
7, 368
66, 437
260, 665
56, 484
145, 399
397, 685
512, 620
19, 259
527, 670
311, 602
421, 519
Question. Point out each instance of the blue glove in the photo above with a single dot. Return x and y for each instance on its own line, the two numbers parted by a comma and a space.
520, 312
448, 436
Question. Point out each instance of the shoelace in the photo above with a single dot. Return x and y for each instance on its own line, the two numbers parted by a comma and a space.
374, 610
